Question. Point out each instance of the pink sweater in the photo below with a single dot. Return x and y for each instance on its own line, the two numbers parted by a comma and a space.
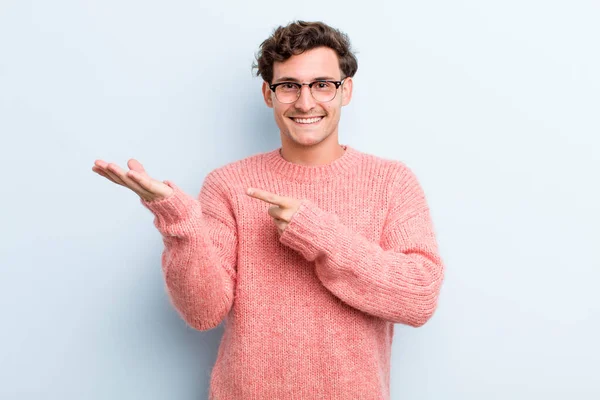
309, 314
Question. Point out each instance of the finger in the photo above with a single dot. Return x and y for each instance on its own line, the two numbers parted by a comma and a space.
101, 164
148, 184
282, 214
113, 177
113, 170
267, 196
101, 172
104, 166
138, 174
136, 166
128, 182
276, 212
281, 225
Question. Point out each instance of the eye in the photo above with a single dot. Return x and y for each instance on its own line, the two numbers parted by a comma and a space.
323, 86
287, 87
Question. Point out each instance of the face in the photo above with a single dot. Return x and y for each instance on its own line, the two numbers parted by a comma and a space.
315, 64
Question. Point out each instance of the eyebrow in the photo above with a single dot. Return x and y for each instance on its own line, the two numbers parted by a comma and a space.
291, 79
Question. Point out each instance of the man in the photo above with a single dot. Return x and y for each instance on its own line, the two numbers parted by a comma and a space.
309, 253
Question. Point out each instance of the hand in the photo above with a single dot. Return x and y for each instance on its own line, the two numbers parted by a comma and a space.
283, 209
135, 179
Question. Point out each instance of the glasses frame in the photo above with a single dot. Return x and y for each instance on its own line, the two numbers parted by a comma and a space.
310, 85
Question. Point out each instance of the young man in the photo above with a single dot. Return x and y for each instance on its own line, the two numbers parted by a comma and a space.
309, 253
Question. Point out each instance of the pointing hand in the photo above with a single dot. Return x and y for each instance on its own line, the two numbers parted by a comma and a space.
283, 208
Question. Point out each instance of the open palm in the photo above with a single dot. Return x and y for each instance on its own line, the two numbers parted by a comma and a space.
135, 179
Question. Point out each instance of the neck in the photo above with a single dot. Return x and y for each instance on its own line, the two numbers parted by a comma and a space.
320, 154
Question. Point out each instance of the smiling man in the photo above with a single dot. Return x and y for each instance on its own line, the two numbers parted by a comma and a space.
309, 253
306, 104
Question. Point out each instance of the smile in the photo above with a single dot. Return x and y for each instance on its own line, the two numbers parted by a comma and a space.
307, 121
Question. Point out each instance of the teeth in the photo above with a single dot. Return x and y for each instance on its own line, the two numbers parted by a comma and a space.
307, 120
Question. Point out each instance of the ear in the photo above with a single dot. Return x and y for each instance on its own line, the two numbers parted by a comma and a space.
347, 91
267, 94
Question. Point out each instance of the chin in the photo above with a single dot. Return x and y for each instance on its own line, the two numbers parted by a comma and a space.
305, 139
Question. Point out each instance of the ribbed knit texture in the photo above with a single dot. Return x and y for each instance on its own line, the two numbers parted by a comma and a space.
309, 314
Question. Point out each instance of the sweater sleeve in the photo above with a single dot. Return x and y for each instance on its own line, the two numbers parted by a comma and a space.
200, 252
398, 279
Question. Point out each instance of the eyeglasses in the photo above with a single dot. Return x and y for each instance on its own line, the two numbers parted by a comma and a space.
321, 91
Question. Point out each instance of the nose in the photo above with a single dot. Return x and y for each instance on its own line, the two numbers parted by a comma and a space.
306, 101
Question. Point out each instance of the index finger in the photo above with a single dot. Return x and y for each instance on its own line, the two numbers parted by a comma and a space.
269, 197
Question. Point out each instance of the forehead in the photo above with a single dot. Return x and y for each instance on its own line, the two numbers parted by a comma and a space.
318, 62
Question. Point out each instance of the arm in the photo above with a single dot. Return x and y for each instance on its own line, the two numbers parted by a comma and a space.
397, 280
200, 252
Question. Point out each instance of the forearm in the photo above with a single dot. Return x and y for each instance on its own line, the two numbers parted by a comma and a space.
196, 260
397, 282
200, 288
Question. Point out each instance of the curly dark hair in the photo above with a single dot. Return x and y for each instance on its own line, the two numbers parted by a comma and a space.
298, 37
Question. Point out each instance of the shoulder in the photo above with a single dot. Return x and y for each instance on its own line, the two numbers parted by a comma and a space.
391, 170
402, 187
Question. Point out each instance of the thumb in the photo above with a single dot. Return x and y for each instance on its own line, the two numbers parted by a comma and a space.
136, 166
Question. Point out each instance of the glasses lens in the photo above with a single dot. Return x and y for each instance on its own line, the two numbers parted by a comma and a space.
323, 91
287, 93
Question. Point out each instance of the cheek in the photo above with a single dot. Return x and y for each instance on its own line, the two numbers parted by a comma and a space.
281, 112
332, 113
281, 120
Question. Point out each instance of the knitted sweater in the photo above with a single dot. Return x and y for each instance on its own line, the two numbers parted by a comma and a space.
308, 313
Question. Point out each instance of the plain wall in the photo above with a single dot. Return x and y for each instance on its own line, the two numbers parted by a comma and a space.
494, 105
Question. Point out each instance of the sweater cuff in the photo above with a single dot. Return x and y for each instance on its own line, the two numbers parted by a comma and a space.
175, 208
310, 230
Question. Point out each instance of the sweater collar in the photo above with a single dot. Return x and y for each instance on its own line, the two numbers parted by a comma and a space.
275, 162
